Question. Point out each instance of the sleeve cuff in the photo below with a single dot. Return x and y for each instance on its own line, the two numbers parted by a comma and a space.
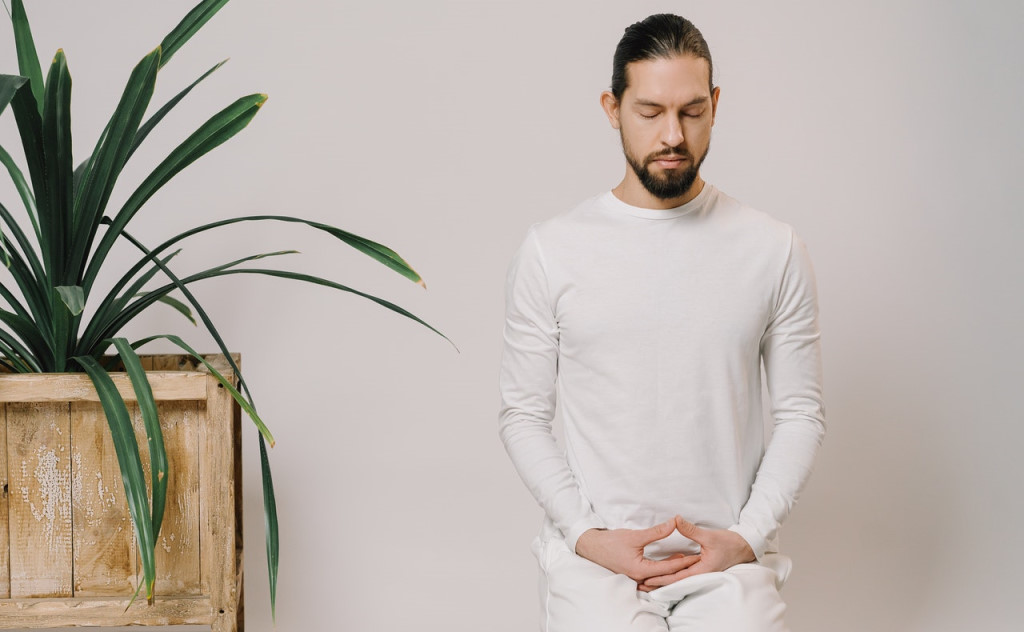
753, 538
580, 527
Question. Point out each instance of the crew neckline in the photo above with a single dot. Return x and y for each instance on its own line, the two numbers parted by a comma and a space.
615, 204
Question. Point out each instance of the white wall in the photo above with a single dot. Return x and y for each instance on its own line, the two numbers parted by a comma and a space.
887, 133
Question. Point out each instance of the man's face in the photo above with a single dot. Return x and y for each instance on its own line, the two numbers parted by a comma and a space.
664, 120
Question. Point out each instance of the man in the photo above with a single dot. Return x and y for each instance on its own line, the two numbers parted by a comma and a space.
646, 312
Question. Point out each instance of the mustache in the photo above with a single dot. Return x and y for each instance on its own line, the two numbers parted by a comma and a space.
671, 153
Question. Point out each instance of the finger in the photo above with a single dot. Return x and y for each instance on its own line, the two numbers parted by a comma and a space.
655, 568
657, 532
688, 529
665, 580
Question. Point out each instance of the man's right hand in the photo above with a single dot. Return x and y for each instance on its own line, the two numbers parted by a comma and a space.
622, 551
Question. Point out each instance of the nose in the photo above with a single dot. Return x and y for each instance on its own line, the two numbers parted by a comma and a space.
672, 134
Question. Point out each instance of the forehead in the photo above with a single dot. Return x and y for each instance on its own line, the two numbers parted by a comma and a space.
677, 79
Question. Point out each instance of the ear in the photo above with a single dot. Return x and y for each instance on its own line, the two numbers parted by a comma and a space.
714, 103
610, 105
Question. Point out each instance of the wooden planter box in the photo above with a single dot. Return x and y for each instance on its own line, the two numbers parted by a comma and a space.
67, 547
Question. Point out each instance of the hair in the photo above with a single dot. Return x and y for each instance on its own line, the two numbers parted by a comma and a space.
662, 35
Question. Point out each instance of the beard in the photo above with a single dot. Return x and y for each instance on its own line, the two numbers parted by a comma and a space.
671, 183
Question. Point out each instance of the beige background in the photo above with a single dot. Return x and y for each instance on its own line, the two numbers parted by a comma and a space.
888, 133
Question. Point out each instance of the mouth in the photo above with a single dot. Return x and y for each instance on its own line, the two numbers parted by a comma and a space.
669, 161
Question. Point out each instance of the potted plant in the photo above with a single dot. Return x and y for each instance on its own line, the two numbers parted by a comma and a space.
57, 249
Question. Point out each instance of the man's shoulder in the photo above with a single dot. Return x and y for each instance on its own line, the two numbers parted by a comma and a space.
568, 222
746, 217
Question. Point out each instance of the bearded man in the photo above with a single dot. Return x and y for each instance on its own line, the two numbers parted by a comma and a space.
646, 313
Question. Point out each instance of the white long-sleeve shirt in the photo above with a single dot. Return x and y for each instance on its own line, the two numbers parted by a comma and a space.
648, 328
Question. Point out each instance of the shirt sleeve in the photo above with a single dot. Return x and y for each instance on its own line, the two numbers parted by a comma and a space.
791, 351
527, 385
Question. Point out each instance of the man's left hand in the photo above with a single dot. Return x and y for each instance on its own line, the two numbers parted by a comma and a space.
719, 550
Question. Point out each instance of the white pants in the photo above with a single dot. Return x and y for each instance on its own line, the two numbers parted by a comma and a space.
577, 595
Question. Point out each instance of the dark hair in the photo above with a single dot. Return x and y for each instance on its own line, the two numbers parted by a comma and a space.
662, 35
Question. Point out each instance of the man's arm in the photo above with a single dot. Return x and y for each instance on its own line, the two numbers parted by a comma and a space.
526, 381
791, 350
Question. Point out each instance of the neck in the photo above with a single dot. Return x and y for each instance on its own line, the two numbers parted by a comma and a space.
632, 192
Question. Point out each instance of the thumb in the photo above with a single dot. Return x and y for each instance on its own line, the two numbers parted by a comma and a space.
688, 529
657, 532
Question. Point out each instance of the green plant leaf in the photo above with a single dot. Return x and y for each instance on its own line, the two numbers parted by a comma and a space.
295, 276
24, 190
189, 25
152, 122
113, 305
109, 159
179, 306
13, 343
73, 297
218, 129
55, 220
115, 316
130, 464
26, 247
30, 128
9, 85
396, 262
159, 471
270, 526
28, 58
242, 402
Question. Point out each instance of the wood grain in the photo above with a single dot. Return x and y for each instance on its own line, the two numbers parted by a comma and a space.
217, 508
5, 543
39, 459
177, 546
103, 536
77, 387
98, 611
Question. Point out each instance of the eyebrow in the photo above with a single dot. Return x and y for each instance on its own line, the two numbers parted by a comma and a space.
696, 101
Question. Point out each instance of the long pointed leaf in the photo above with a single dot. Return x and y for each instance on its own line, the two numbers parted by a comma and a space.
130, 463
180, 307
189, 25
215, 131
30, 128
226, 383
270, 526
55, 221
38, 274
110, 158
116, 316
24, 354
159, 471
152, 122
395, 261
28, 58
9, 85
295, 276
24, 190
39, 305
112, 305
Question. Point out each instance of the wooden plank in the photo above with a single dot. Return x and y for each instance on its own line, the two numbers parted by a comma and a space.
39, 459
217, 507
177, 547
77, 387
103, 538
5, 543
50, 613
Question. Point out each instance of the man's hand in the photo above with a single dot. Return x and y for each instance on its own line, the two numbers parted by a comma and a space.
719, 550
622, 551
